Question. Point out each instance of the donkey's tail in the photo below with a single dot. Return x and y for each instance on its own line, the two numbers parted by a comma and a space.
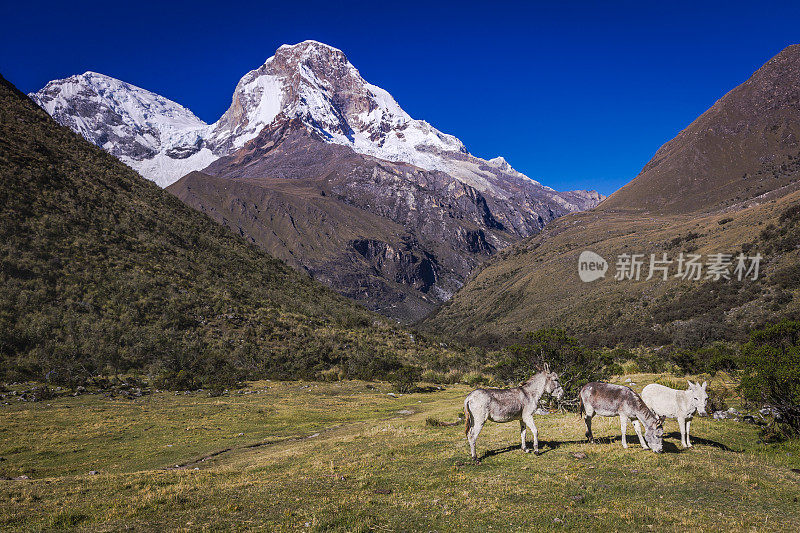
581, 408
469, 421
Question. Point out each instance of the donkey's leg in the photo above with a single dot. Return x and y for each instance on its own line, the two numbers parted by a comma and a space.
529, 421
473, 438
588, 420
638, 427
682, 427
476, 430
473, 435
688, 423
523, 428
623, 422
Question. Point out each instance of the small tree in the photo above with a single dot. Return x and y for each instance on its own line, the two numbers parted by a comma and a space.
575, 364
772, 371
404, 379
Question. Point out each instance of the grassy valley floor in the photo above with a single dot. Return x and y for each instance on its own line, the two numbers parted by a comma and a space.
348, 456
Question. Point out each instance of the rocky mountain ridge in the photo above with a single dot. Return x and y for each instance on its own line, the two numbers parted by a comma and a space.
310, 81
399, 238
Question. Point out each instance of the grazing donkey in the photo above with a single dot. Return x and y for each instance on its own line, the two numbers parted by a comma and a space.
605, 399
678, 404
505, 405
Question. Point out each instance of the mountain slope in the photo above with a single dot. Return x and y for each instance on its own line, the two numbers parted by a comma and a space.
103, 272
396, 237
745, 145
691, 198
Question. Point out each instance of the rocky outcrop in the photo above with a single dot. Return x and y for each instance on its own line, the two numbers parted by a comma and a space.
402, 265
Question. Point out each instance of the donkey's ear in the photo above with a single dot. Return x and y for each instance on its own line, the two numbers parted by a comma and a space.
691, 385
704, 384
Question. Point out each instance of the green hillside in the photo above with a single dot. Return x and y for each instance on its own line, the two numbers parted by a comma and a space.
103, 272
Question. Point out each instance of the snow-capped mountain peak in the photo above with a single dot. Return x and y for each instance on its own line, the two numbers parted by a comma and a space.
499, 162
156, 136
317, 84
309, 82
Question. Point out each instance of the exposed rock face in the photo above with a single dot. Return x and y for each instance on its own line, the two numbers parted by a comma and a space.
399, 238
400, 265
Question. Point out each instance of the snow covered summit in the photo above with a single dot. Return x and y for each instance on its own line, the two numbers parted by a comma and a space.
309, 81
317, 84
156, 136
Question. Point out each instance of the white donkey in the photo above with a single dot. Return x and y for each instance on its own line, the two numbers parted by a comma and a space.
678, 404
505, 405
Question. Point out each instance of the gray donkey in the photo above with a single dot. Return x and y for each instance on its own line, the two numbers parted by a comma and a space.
606, 399
505, 405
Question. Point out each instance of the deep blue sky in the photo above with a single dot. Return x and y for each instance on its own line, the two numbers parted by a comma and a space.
576, 95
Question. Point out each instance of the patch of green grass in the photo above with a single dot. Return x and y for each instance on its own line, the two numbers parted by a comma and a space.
672, 383
345, 457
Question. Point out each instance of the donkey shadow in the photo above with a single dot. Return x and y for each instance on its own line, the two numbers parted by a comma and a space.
699, 440
546, 446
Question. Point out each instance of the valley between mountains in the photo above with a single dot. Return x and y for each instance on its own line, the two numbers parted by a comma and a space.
326, 172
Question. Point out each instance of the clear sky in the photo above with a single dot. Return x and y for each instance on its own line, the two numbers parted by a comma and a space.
575, 95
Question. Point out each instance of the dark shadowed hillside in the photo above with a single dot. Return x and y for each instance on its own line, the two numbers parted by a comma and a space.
101, 271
